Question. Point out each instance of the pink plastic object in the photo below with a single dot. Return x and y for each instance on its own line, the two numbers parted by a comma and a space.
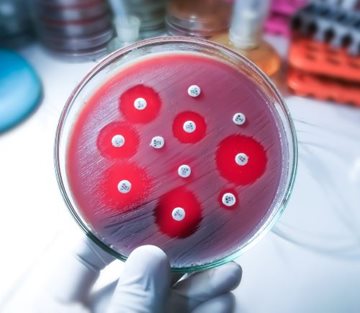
280, 14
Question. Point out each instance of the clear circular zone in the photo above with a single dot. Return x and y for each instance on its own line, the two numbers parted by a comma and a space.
118, 140
140, 104
231, 149
124, 186
178, 198
189, 127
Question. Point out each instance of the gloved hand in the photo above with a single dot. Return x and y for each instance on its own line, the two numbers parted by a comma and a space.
146, 285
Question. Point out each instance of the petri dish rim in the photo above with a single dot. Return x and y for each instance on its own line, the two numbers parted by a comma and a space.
280, 109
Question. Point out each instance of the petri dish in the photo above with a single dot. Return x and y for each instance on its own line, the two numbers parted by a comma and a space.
74, 29
180, 143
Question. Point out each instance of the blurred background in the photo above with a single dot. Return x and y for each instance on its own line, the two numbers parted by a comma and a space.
310, 262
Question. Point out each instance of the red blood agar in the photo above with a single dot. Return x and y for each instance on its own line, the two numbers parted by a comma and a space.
178, 198
189, 137
230, 170
133, 115
156, 187
140, 186
106, 135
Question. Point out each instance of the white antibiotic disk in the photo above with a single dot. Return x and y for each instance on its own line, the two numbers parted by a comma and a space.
228, 199
178, 214
194, 91
118, 141
124, 186
184, 171
239, 118
241, 159
189, 127
140, 104
157, 142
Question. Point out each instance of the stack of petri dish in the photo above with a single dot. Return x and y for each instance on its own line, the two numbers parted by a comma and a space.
151, 14
74, 28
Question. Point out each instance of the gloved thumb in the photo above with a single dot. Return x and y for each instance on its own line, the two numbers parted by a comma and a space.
145, 283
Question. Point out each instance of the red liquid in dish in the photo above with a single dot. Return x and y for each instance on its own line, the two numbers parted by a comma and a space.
130, 193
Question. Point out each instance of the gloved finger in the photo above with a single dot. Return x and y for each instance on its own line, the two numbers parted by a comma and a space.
144, 284
78, 270
206, 285
99, 300
221, 304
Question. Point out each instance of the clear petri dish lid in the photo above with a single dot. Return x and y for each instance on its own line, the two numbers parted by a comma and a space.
180, 143
323, 214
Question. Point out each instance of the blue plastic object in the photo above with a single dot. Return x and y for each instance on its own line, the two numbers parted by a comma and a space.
20, 89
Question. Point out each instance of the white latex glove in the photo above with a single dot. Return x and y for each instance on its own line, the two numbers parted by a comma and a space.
145, 286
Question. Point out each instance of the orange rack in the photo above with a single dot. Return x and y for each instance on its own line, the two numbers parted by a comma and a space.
317, 69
